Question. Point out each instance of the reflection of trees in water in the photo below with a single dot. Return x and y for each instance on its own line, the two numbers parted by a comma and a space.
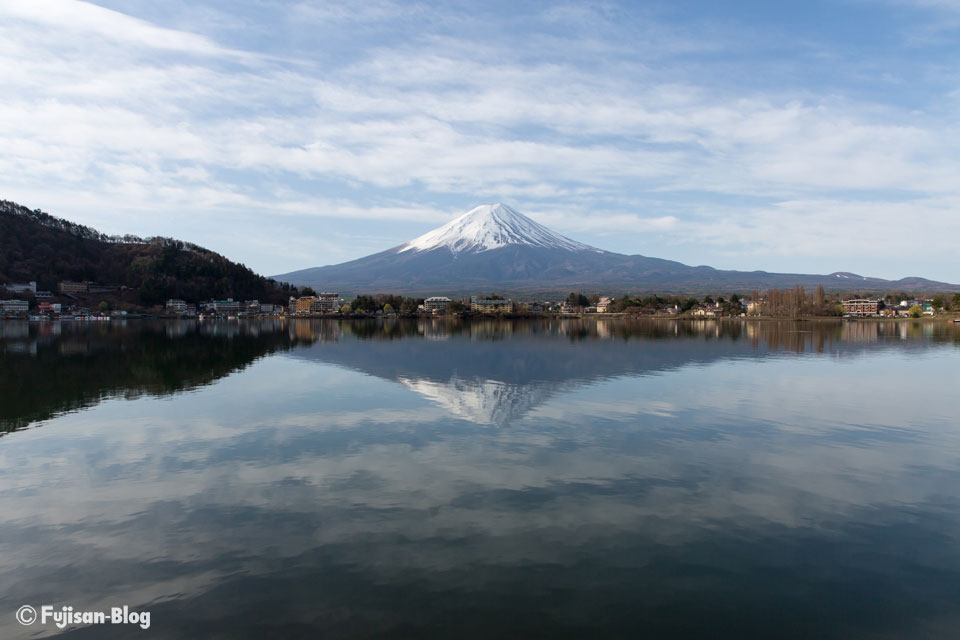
52, 367
574, 329
495, 372
798, 336
48, 368
829, 335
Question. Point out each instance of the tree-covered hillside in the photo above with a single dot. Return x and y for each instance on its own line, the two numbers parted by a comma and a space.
37, 246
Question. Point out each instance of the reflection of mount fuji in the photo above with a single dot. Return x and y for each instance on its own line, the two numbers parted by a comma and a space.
484, 401
495, 373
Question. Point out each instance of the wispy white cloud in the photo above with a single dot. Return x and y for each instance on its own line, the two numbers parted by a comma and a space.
602, 117
75, 19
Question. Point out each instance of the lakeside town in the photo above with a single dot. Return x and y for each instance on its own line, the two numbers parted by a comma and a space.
97, 302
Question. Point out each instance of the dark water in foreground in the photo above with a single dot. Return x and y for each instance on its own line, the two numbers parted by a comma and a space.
527, 479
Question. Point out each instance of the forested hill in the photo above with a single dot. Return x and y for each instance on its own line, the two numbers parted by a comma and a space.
37, 246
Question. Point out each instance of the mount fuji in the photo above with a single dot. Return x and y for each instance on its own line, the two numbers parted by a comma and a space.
495, 247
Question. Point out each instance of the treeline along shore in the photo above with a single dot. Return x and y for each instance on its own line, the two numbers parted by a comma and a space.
53, 268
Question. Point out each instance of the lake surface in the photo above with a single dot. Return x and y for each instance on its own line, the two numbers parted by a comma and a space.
547, 479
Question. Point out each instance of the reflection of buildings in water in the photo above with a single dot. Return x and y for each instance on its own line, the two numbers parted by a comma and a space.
603, 329
11, 330
252, 328
709, 328
870, 331
50, 329
220, 329
860, 331
25, 338
821, 336
488, 329
312, 330
178, 328
797, 337
433, 328
255, 327
21, 347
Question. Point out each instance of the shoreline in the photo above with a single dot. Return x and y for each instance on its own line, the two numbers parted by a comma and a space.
951, 319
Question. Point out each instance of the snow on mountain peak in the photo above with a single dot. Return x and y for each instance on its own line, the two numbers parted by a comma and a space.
491, 226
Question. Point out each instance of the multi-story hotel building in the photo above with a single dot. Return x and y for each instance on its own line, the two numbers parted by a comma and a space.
304, 305
326, 303
436, 304
74, 287
20, 287
491, 306
862, 307
228, 307
14, 306
177, 306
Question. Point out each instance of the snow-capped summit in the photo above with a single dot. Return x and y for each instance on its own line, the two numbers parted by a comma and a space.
491, 226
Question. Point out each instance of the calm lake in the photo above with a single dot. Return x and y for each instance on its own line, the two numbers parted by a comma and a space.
556, 478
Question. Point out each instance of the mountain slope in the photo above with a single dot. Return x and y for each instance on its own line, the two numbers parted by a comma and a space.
37, 246
496, 247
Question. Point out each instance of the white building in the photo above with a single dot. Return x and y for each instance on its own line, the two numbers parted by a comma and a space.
14, 306
177, 306
436, 304
326, 303
20, 287
228, 307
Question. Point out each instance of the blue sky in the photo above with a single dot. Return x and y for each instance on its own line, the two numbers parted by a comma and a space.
803, 136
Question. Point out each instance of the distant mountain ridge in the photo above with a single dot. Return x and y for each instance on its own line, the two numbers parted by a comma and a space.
495, 247
37, 246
